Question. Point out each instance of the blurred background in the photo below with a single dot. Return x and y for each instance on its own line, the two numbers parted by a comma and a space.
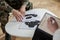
52, 5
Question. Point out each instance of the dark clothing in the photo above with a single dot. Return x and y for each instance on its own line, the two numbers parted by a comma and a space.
4, 10
41, 35
7, 37
4, 19
16, 4
29, 6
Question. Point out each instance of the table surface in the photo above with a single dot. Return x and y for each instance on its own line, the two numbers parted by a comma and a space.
12, 27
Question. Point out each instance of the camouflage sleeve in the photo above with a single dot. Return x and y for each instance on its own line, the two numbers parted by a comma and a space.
4, 6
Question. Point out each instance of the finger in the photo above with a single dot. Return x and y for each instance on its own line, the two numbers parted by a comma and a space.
20, 16
16, 17
19, 19
53, 20
49, 21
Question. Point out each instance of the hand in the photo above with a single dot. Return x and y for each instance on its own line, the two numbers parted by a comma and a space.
52, 24
18, 15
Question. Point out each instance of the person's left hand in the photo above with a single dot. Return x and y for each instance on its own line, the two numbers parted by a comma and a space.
52, 24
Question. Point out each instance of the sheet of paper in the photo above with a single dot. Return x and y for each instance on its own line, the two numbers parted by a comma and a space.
43, 24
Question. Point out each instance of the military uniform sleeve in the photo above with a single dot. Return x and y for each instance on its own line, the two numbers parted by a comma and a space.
4, 6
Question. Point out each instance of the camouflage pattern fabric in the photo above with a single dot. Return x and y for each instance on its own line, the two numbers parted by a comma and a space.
29, 6
4, 10
4, 15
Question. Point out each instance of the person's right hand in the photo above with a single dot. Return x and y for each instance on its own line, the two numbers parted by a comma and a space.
17, 15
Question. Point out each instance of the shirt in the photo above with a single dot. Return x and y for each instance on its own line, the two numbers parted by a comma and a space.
4, 7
